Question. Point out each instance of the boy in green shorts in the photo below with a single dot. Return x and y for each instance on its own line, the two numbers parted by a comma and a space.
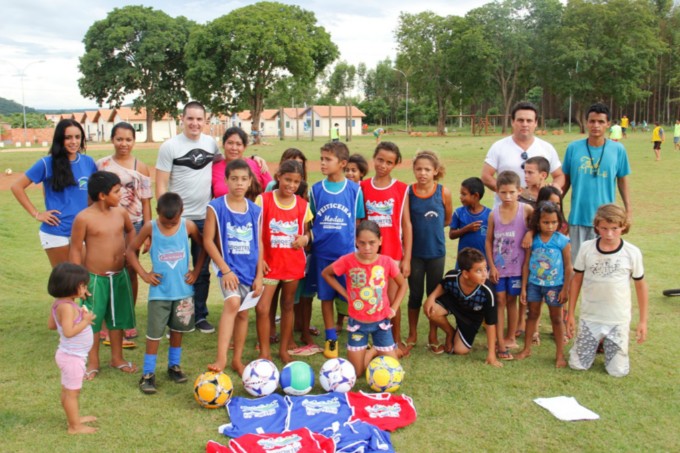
104, 228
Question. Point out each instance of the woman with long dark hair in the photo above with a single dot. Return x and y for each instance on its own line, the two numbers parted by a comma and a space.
64, 173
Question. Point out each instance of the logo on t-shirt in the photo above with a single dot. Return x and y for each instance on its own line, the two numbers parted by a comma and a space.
239, 238
82, 183
195, 159
260, 410
171, 258
312, 407
380, 212
282, 233
383, 411
282, 444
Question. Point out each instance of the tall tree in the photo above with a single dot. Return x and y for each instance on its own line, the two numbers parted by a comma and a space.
136, 51
237, 58
445, 58
341, 81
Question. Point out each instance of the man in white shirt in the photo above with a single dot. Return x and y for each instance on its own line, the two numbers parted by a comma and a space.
511, 152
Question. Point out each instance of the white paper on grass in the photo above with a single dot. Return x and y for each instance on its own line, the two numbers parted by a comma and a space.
250, 301
566, 408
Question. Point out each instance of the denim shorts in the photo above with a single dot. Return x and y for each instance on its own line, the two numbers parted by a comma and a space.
549, 294
510, 285
380, 331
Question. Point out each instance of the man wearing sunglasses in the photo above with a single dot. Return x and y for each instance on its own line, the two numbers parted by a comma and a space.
511, 152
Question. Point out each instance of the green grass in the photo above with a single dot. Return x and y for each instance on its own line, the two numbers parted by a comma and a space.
462, 404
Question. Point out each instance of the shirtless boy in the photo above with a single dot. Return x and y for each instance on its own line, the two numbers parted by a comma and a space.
105, 229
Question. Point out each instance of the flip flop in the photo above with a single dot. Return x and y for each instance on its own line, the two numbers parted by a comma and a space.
505, 355
406, 346
90, 375
313, 331
127, 344
435, 348
129, 365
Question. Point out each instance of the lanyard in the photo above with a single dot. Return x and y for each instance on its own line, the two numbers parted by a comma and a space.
596, 166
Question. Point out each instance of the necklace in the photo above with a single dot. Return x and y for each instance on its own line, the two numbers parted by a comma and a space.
596, 166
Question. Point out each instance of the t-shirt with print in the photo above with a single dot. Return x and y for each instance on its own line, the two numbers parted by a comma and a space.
546, 266
70, 201
367, 286
135, 186
189, 163
605, 293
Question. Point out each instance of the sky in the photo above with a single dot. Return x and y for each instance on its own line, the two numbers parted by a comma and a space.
43, 39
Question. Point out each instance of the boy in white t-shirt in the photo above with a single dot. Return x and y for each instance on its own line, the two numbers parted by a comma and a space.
602, 273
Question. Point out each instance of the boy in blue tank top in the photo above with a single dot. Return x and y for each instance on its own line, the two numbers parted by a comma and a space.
171, 292
337, 203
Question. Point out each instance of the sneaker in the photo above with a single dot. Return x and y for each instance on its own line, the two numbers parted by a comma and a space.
177, 375
331, 349
204, 326
147, 384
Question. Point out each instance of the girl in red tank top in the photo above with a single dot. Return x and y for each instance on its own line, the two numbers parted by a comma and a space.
386, 202
285, 215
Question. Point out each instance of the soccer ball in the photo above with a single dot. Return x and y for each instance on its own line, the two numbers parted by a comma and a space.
8, 171
297, 378
260, 377
337, 375
384, 374
213, 390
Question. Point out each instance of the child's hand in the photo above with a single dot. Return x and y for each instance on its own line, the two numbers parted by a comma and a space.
258, 286
301, 240
527, 240
265, 267
428, 306
393, 312
190, 277
563, 297
523, 297
493, 275
405, 268
570, 328
641, 334
152, 278
89, 317
147, 245
474, 226
229, 281
493, 361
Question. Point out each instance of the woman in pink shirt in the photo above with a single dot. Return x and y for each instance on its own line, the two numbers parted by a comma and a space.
234, 143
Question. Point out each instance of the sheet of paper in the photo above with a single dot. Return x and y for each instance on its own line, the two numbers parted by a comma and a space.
250, 301
566, 408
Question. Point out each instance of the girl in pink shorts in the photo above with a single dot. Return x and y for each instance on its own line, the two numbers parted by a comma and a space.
73, 322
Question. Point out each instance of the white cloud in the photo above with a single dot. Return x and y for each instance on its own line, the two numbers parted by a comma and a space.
46, 30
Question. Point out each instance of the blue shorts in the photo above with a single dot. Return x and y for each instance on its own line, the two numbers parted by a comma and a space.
510, 285
324, 290
549, 294
380, 331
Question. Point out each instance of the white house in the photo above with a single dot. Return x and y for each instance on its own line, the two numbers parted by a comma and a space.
323, 117
162, 129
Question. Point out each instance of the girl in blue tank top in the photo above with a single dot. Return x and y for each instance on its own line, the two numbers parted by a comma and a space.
431, 208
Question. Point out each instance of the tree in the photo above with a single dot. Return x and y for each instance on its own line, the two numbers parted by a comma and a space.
136, 51
341, 81
444, 58
237, 58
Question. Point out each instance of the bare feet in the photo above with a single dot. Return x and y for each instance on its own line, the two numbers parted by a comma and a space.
536, 339
510, 343
523, 355
238, 366
560, 363
285, 357
265, 356
81, 429
306, 338
88, 419
217, 366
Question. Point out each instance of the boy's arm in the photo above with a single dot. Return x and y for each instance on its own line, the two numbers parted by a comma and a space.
258, 285
491, 358
329, 276
195, 235
566, 259
528, 212
162, 180
146, 215
128, 227
151, 278
642, 292
78, 231
574, 290
622, 184
493, 272
430, 301
407, 232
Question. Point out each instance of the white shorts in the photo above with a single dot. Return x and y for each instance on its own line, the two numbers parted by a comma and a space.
241, 292
50, 241
615, 345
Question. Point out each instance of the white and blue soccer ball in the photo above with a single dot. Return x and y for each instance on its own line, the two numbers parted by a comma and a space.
297, 378
337, 375
260, 377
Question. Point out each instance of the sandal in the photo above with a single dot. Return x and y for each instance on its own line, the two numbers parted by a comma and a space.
129, 365
127, 344
505, 355
519, 333
435, 348
90, 375
313, 331
274, 339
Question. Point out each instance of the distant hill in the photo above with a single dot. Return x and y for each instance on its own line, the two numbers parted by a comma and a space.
8, 106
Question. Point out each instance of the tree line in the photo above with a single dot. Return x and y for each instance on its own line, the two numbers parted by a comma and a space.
268, 55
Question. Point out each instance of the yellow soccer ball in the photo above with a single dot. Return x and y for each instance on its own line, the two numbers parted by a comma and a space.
213, 390
384, 374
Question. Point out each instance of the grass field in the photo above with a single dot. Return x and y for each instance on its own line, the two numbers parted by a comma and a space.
462, 404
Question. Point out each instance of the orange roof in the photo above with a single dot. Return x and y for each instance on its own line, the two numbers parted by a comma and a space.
79, 116
92, 115
291, 112
129, 114
336, 111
